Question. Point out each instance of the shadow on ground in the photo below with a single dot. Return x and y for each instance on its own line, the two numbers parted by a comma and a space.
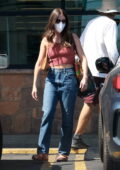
26, 165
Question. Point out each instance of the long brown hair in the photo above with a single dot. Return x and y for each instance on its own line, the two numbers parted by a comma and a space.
50, 29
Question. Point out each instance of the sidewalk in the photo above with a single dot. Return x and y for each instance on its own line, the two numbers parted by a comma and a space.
30, 141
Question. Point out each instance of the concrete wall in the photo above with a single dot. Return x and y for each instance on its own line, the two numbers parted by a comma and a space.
19, 113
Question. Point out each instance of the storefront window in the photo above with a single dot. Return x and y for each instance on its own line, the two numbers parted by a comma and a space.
22, 23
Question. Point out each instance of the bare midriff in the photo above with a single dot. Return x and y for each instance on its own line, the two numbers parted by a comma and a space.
63, 66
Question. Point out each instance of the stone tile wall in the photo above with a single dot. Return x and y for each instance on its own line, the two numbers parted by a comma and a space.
19, 113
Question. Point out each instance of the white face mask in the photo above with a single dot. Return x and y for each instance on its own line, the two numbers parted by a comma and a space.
60, 27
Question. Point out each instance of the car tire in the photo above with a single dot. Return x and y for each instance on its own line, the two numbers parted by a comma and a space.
109, 163
1, 141
100, 136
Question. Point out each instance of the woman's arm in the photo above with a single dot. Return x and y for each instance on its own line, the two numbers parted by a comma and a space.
83, 59
42, 53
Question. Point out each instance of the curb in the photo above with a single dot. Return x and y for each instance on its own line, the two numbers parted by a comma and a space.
34, 150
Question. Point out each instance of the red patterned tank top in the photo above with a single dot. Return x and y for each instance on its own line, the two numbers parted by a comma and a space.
59, 55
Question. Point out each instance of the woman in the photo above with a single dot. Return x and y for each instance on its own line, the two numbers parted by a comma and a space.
60, 83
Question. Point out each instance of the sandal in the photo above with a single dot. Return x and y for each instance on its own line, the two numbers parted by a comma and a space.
40, 157
62, 158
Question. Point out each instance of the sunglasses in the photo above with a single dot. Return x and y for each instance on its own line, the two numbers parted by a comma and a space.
59, 20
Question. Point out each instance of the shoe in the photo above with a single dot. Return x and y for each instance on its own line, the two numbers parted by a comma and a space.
40, 157
62, 158
77, 143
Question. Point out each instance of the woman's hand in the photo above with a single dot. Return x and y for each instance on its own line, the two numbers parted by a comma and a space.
34, 93
80, 53
83, 84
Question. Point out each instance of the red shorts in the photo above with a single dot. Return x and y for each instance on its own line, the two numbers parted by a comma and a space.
94, 98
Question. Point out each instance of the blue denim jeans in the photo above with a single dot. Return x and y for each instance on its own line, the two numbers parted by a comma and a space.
60, 85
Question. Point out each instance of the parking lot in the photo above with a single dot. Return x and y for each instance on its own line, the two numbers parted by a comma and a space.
20, 157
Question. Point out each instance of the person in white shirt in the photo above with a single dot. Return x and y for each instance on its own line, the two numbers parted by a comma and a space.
99, 39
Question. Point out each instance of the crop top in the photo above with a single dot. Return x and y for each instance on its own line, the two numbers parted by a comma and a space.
59, 55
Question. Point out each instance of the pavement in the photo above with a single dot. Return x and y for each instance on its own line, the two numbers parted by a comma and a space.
27, 144
18, 151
